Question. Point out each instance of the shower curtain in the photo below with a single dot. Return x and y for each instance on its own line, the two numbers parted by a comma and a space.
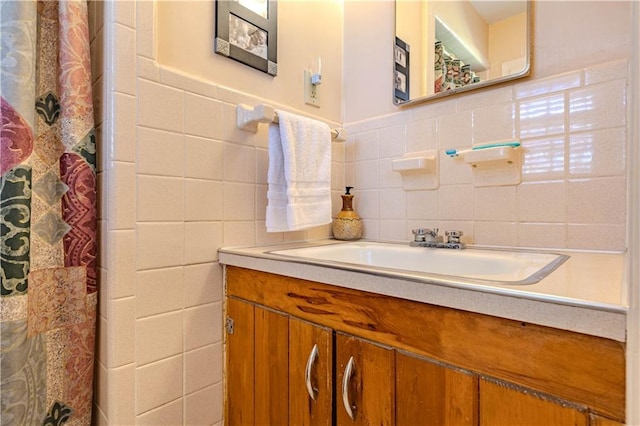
48, 211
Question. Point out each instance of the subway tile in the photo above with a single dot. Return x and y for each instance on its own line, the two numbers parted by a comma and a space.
393, 230
365, 175
455, 130
123, 142
146, 29
203, 200
121, 258
367, 203
160, 153
148, 69
262, 237
598, 153
124, 12
261, 202
204, 407
188, 82
601, 237
598, 106
601, 73
598, 200
239, 163
542, 116
239, 233
388, 177
202, 367
392, 204
422, 205
120, 333
494, 203
160, 199
503, 234
392, 141
202, 240
123, 68
337, 176
122, 196
239, 201
422, 135
202, 326
542, 235
370, 229
203, 158
159, 291
158, 337
170, 414
160, 107
365, 146
543, 158
454, 202
542, 202
160, 245
453, 170
158, 383
203, 283
546, 86
494, 123
202, 116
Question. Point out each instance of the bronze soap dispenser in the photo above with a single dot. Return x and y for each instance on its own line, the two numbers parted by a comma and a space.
347, 225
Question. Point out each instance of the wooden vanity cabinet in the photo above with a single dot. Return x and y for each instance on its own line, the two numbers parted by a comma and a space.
413, 363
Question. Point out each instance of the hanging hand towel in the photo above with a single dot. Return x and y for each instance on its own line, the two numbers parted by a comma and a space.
299, 176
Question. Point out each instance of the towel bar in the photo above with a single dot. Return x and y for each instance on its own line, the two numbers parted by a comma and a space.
248, 118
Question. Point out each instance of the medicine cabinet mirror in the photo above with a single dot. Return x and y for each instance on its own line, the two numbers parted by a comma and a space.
445, 47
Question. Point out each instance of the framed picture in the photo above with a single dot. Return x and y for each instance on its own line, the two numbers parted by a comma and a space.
247, 31
401, 70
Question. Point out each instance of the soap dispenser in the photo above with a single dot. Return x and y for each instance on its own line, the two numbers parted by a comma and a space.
347, 225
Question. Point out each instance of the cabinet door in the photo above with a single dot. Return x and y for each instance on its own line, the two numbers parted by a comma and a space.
239, 377
271, 368
504, 405
431, 394
310, 374
364, 382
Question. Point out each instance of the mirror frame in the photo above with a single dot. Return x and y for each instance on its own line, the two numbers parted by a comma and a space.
482, 84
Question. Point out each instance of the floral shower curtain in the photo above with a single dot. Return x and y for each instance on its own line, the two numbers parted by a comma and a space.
48, 211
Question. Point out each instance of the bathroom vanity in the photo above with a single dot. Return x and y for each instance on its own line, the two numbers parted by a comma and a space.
311, 344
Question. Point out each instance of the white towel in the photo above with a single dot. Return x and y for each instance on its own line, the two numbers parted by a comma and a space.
299, 177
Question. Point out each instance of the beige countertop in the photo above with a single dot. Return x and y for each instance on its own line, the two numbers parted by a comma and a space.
586, 294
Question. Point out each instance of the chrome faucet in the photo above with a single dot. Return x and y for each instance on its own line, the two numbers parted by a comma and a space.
425, 237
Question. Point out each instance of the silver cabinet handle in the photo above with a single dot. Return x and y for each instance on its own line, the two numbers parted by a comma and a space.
313, 392
348, 372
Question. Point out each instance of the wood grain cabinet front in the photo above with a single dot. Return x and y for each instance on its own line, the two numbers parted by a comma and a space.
305, 353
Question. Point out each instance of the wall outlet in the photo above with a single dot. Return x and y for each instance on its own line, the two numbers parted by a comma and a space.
311, 92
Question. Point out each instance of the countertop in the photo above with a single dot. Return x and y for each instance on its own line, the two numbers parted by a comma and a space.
586, 294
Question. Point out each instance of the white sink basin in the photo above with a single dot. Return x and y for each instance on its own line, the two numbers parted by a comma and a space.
508, 267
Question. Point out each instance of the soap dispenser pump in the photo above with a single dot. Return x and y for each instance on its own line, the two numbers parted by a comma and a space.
347, 225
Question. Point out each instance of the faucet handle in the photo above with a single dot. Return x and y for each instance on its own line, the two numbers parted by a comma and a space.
453, 236
420, 233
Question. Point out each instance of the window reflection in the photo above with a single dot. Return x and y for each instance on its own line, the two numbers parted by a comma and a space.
581, 154
544, 156
542, 116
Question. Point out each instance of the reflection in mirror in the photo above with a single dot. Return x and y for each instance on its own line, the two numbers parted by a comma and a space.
459, 45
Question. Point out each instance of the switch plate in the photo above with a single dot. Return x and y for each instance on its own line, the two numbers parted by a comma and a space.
311, 92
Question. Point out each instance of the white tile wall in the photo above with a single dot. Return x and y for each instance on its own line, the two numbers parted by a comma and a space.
572, 130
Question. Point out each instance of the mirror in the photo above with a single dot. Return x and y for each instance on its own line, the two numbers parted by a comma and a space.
446, 47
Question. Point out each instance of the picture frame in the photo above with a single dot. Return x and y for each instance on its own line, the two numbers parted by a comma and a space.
247, 31
401, 70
